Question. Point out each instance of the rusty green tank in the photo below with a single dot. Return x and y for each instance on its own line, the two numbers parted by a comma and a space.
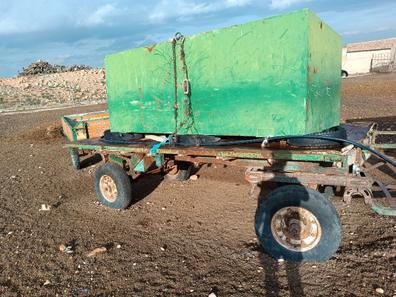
275, 76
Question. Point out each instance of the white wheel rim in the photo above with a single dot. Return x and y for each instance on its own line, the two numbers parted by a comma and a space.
108, 188
296, 228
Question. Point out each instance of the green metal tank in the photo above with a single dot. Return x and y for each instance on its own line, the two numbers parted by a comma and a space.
275, 76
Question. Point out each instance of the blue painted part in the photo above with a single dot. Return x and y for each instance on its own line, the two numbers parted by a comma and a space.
155, 147
159, 160
140, 166
385, 211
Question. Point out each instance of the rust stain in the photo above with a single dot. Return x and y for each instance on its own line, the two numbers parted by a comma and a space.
140, 94
186, 112
158, 101
150, 48
308, 74
314, 71
321, 25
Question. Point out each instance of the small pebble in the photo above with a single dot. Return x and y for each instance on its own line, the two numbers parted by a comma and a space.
194, 177
96, 251
47, 282
118, 246
212, 295
45, 207
379, 290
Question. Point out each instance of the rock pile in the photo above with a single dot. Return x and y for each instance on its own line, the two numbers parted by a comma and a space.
44, 90
43, 67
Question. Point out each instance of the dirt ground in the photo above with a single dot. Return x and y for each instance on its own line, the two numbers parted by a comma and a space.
182, 239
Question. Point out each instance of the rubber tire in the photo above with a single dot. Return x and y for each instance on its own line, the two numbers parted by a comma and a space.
328, 192
316, 203
336, 132
183, 174
123, 184
344, 73
118, 136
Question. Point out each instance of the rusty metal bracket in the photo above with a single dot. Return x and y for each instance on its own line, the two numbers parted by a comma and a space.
364, 192
390, 209
347, 180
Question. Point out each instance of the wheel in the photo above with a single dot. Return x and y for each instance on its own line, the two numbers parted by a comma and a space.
121, 137
298, 224
344, 73
113, 186
336, 132
181, 172
328, 192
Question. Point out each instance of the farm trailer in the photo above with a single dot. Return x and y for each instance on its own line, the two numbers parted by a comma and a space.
296, 221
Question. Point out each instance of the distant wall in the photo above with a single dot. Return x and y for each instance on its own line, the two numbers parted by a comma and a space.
360, 61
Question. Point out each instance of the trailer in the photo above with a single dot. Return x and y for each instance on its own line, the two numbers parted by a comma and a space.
295, 221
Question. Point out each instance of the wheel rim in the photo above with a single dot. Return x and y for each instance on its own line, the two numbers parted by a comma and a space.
108, 188
296, 228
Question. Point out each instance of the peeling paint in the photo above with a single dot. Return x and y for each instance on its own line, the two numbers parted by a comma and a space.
150, 48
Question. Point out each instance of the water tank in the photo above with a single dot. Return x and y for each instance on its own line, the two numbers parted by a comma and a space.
274, 76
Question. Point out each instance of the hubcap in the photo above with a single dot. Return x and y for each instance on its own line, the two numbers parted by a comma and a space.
296, 228
108, 188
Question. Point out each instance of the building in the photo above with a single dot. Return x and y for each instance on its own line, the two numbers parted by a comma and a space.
369, 56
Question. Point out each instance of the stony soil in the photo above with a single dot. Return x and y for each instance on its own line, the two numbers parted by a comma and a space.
371, 96
177, 239
57, 89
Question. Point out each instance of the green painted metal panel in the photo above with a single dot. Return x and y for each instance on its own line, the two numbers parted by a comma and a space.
275, 76
323, 75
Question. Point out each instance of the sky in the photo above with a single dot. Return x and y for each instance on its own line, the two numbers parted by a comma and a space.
84, 31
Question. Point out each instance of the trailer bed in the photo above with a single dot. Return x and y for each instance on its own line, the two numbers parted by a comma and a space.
246, 151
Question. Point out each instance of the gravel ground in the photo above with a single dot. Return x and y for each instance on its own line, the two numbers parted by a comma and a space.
182, 239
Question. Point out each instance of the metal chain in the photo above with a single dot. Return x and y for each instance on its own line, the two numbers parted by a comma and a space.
174, 40
186, 84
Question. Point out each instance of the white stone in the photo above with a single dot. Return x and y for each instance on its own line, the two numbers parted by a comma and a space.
379, 290
194, 177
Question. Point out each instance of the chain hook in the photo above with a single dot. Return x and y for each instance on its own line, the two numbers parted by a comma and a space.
178, 36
